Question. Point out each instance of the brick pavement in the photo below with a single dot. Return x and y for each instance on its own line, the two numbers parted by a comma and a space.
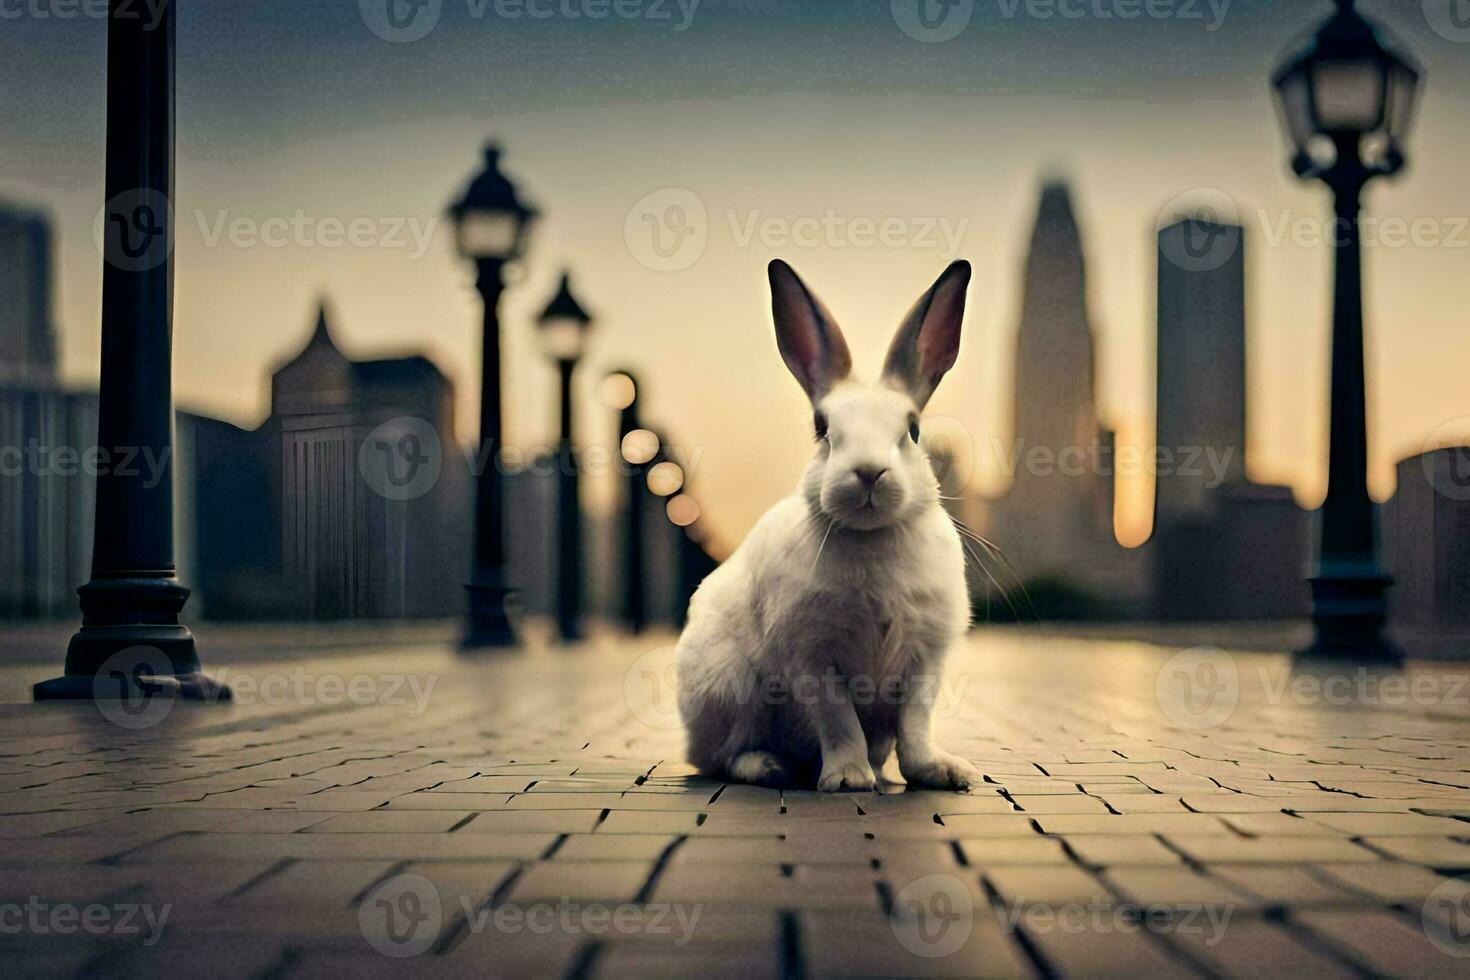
1144, 814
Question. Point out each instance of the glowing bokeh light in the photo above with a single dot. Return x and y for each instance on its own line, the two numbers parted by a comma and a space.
666, 479
618, 391
640, 446
683, 510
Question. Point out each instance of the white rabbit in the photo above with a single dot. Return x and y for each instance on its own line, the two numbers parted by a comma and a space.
819, 644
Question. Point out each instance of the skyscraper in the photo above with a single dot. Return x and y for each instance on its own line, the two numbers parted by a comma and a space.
1055, 352
27, 344
1201, 363
1222, 547
1056, 520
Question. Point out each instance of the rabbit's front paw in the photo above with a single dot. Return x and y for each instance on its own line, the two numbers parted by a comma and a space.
846, 777
944, 771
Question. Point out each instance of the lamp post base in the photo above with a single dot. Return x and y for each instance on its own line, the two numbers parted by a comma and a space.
131, 639
1349, 609
489, 625
127, 687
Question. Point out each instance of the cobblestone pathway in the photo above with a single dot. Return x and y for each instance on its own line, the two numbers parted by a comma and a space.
1145, 813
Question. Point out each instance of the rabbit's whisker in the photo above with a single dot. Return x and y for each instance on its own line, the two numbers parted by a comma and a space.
981, 565
995, 551
822, 547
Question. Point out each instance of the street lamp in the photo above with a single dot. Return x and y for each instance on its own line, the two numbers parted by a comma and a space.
1347, 102
564, 326
131, 645
491, 225
620, 392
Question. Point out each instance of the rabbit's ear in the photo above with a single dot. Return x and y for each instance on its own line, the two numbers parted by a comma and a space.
811, 345
929, 340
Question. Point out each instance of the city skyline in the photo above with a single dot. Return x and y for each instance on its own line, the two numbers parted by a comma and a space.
267, 161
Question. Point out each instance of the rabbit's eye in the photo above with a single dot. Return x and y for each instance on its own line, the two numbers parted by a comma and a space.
914, 430
820, 423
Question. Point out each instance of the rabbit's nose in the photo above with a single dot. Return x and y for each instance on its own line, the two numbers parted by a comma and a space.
869, 476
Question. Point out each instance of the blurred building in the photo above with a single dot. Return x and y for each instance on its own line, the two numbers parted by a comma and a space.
1200, 364
1222, 547
1426, 528
299, 519
1055, 522
45, 522
226, 543
27, 339
46, 499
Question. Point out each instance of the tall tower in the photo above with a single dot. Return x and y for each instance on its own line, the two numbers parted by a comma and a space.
1055, 370
1223, 548
1201, 363
1057, 518
27, 345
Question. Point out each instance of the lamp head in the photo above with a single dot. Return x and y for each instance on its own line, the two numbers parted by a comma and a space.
491, 221
564, 324
1347, 88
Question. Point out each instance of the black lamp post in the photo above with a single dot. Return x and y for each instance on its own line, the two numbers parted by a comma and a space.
131, 643
564, 325
491, 223
1347, 101
694, 562
620, 392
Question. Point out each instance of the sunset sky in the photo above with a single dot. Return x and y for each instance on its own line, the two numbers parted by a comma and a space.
763, 112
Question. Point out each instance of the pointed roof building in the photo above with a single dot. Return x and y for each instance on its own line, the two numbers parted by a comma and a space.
322, 380
318, 379
1055, 350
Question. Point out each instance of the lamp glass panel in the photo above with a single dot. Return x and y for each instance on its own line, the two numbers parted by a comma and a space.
1349, 96
562, 338
1402, 101
489, 234
1294, 96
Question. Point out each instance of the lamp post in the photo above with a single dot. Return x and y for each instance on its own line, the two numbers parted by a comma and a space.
620, 392
684, 512
564, 325
1347, 101
131, 643
491, 223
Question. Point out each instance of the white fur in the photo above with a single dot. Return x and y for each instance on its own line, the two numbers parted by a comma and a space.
818, 647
